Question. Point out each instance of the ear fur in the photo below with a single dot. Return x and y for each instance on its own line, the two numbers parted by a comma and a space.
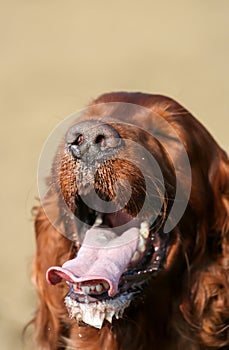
206, 309
52, 249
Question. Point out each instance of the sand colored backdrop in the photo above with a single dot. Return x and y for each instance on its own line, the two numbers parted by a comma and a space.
57, 55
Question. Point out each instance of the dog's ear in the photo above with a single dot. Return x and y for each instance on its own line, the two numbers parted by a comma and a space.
206, 309
219, 178
52, 248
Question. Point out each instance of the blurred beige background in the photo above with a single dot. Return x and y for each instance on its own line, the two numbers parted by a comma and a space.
55, 57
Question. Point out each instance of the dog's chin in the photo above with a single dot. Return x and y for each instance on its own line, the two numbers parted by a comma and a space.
100, 287
91, 311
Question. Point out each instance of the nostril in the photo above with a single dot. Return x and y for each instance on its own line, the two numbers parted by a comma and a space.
90, 140
75, 144
100, 139
79, 140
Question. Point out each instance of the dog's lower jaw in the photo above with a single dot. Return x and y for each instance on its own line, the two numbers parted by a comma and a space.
95, 313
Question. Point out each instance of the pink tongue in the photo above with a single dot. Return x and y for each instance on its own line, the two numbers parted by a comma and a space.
103, 256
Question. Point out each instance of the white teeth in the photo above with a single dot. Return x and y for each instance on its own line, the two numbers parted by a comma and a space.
85, 289
92, 288
99, 288
135, 257
141, 244
98, 220
141, 247
106, 285
75, 287
144, 229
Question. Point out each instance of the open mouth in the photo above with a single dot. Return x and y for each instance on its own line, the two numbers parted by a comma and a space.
121, 249
118, 256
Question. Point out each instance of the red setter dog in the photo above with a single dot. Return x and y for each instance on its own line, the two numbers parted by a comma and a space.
132, 237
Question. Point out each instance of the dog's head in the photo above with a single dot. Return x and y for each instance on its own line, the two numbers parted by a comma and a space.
138, 192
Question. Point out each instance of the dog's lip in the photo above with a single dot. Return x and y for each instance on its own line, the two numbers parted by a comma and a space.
133, 273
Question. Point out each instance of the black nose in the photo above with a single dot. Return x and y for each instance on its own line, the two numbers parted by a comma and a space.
92, 140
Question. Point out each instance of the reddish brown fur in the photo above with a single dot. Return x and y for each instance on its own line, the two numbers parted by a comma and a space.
187, 306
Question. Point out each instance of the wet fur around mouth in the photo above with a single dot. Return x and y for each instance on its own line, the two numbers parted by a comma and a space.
181, 304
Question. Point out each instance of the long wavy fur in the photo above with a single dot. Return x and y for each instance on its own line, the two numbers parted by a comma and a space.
192, 316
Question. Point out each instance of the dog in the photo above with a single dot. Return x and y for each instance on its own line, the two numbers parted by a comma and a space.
133, 235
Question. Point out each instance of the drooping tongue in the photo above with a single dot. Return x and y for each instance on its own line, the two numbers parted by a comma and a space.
103, 256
